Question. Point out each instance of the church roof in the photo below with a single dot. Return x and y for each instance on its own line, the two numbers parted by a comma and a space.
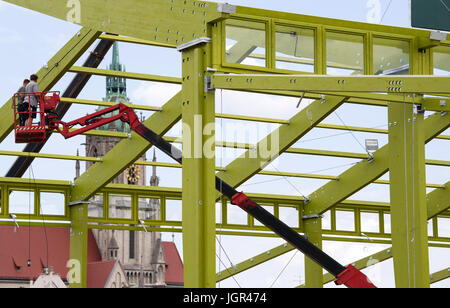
174, 269
99, 273
15, 249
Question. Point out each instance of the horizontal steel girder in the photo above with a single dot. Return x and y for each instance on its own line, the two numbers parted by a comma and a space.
163, 21
176, 165
126, 75
315, 83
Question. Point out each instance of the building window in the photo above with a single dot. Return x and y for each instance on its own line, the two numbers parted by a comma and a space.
132, 244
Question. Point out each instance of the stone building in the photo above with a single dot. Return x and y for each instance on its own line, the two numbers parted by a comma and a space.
140, 253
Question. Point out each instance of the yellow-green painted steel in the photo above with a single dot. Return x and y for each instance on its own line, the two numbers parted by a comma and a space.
279, 141
52, 72
131, 40
362, 264
127, 75
199, 226
364, 173
255, 261
324, 83
50, 156
313, 272
106, 104
440, 276
438, 201
408, 197
162, 21
78, 246
437, 104
169, 24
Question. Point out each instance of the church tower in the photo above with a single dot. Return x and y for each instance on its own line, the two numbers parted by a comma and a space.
140, 253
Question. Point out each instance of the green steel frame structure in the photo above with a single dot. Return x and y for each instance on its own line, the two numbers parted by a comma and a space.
246, 49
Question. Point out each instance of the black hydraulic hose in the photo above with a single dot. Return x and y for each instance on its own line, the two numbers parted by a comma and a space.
296, 240
254, 209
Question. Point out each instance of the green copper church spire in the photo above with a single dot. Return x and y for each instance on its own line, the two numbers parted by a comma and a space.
116, 88
116, 91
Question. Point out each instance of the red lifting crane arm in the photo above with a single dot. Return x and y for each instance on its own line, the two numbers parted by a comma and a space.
93, 121
349, 276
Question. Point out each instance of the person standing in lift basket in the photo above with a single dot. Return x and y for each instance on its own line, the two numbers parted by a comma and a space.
31, 100
21, 106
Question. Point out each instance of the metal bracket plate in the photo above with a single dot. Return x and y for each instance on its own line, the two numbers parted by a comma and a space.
78, 203
312, 217
199, 41
438, 36
226, 8
208, 81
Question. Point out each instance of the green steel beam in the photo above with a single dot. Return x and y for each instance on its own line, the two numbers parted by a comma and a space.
366, 172
433, 198
67, 100
162, 21
354, 84
370, 99
255, 261
362, 264
440, 276
433, 210
131, 40
438, 201
125, 153
381, 257
175, 193
38, 182
437, 104
175, 165
50, 156
199, 217
408, 197
52, 72
313, 272
78, 246
253, 161
126, 75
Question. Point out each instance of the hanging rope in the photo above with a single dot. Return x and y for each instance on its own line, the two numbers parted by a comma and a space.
323, 170
221, 187
354, 136
232, 276
282, 271
29, 219
338, 135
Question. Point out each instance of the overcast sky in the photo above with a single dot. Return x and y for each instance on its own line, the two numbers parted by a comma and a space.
29, 39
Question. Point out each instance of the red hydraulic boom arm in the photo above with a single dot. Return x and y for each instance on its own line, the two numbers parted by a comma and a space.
348, 276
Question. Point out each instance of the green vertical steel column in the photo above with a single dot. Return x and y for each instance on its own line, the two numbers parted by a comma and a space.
313, 272
78, 246
198, 110
408, 196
